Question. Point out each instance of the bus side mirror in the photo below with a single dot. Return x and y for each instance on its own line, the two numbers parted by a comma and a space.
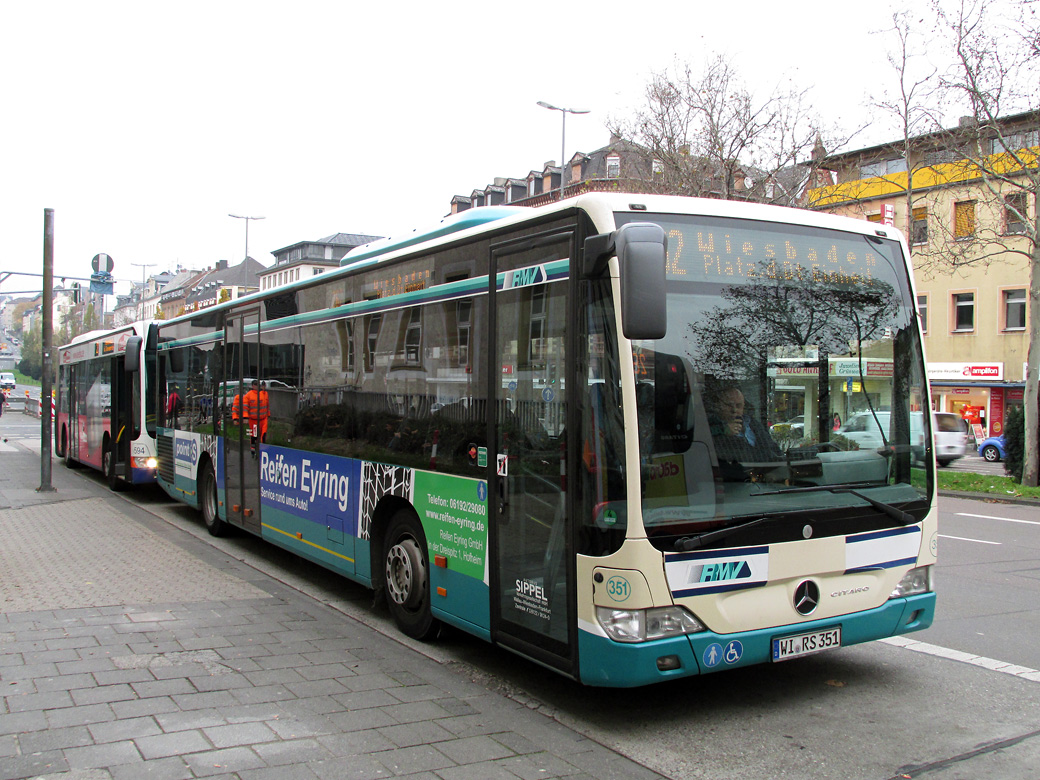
641, 252
175, 358
132, 362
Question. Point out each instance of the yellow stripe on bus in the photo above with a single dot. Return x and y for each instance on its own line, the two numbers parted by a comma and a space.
312, 544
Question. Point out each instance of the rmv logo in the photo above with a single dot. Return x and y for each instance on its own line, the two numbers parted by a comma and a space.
187, 450
728, 570
522, 277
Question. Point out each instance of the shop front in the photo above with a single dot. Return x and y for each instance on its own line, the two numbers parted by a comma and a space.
975, 391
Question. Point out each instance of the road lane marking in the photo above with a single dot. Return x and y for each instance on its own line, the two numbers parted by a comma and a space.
966, 539
1005, 519
1023, 672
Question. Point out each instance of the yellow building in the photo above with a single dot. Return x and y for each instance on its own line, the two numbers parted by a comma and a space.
970, 251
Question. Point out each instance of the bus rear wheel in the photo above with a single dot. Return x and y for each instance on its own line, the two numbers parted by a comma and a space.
63, 443
407, 580
208, 502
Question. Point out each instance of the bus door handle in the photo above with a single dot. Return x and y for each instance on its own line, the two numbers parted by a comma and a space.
503, 482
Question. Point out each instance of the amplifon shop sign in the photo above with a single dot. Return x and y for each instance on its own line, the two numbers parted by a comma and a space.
966, 372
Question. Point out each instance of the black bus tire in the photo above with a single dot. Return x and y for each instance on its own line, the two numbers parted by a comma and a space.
109, 457
407, 576
208, 502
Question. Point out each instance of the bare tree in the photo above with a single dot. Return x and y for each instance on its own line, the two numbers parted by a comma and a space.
996, 73
708, 135
909, 107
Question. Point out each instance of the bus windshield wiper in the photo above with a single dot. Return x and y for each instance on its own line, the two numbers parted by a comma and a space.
689, 543
894, 512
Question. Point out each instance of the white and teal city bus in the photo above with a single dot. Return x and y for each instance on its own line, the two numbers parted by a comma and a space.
520, 424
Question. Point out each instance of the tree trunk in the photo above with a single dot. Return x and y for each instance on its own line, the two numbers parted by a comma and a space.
1031, 403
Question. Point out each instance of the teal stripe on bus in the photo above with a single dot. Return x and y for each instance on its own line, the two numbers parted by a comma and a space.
556, 271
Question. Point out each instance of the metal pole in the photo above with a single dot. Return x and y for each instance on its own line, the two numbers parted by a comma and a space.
563, 139
48, 338
239, 216
563, 150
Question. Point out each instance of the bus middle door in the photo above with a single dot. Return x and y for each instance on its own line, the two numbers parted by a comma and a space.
241, 447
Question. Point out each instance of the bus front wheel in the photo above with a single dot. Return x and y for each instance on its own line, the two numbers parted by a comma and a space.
407, 577
108, 461
208, 502
70, 462
63, 443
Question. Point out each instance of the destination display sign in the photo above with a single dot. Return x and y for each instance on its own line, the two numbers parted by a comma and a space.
702, 249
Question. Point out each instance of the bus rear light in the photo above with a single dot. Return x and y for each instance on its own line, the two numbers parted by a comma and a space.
643, 625
915, 582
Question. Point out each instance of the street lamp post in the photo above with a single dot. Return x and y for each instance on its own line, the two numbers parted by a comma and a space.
563, 140
237, 216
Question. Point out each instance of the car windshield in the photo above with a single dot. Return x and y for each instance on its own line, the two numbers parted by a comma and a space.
790, 361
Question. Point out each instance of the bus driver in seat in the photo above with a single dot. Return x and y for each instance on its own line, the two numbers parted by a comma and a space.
737, 434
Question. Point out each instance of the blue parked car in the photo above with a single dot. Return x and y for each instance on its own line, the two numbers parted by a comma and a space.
992, 449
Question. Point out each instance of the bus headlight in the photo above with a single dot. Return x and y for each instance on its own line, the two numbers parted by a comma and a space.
642, 625
916, 581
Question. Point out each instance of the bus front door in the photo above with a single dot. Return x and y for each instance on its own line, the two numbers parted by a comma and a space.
241, 448
531, 568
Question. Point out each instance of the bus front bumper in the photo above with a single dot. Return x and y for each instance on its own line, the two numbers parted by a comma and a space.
608, 663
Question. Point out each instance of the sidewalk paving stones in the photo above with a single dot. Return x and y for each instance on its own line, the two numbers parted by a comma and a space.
129, 649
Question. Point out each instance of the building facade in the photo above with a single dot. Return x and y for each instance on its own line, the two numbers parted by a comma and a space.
970, 246
310, 258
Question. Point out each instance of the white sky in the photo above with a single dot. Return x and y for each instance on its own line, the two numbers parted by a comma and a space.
144, 124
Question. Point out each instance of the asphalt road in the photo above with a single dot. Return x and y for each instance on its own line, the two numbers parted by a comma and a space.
953, 702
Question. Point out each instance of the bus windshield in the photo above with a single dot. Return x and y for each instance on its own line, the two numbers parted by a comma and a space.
790, 383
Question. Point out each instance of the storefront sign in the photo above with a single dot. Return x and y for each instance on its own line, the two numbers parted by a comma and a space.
966, 371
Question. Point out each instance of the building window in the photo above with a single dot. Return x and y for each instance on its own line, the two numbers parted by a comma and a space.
919, 226
964, 219
1014, 309
922, 311
963, 312
1014, 142
883, 168
1016, 213
613, 167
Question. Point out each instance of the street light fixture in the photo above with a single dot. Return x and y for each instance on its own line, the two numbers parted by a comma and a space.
563, 141
236, 216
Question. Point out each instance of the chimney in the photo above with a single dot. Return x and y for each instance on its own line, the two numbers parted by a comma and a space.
221, 265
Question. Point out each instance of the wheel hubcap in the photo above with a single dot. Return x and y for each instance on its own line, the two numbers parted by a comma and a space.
405, 574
